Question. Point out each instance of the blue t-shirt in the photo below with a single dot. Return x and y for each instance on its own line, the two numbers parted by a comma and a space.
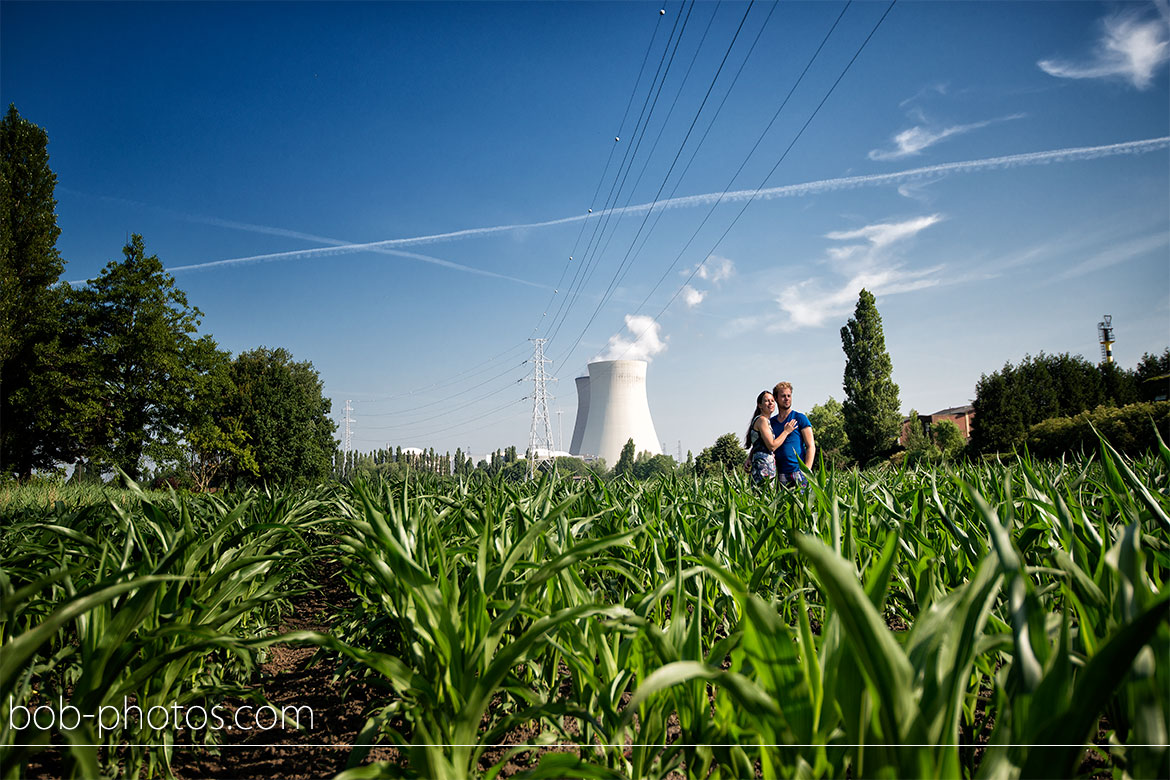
790, 454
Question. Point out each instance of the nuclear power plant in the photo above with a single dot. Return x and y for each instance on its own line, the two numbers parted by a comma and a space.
612, 408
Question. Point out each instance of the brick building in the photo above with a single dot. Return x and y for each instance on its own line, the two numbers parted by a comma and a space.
962, 416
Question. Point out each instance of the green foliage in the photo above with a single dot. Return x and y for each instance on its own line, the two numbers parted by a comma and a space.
726, 454
1131, 429
30, 303
280, 405
141, 348
625, 464
1152, 376
649, 466
871, 403
919, 446
948, 438
1010, 401
828, 420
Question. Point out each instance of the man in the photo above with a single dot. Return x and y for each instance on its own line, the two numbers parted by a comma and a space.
798, 445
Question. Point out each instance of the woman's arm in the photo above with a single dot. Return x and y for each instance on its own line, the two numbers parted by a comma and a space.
764, 428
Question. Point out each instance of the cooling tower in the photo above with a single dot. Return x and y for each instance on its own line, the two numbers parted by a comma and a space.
617, 411
582, 414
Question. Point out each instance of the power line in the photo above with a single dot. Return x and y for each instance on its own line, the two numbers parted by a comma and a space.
448, 396
585, 268
475, 370
748, 202
627, 261
604, 172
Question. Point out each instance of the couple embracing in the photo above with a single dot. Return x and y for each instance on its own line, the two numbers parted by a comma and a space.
779, 439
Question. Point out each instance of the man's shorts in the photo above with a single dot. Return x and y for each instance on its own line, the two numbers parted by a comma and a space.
795, 479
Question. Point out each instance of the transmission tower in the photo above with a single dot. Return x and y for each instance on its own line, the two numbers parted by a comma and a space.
540, 440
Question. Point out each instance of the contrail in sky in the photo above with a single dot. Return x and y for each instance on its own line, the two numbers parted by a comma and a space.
1073, 154
346, 248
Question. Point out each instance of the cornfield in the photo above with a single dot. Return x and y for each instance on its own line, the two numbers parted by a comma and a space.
996, 620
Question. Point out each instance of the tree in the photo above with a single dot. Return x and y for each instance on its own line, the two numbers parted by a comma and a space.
143, 351
649, 466
1152, 376
1118, 386
999, 422
1009, 401
280, 405
948, 438
625, 464
30, 302
828, 420
918, 445
218, 443
871, 403
726, 454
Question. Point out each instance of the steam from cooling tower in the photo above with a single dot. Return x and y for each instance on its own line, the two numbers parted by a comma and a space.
641, 340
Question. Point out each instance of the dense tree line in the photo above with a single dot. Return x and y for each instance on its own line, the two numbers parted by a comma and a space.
1010, 401
113, 374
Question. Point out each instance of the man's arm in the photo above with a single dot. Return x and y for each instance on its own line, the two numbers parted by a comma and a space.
810, 446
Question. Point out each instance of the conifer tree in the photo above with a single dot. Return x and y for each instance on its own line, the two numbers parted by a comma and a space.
30, 301
871, 405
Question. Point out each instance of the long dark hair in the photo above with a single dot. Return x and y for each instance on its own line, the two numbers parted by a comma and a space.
747, 437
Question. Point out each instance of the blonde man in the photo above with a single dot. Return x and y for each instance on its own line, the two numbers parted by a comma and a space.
793, 450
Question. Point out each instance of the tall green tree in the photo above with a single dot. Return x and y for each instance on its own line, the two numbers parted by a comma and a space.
30, 301
281, 406
145, 353
872, 419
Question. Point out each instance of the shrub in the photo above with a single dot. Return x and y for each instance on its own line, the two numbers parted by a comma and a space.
1128, 428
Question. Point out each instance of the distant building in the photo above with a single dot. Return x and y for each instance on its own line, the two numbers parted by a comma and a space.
961, 416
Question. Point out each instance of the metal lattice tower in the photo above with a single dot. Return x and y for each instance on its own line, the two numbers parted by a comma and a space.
540, 439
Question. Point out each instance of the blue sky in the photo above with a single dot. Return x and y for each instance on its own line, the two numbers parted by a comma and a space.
393, 191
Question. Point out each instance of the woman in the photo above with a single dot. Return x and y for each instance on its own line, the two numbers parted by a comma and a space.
759, 439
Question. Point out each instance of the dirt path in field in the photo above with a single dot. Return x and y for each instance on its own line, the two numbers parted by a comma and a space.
290, 679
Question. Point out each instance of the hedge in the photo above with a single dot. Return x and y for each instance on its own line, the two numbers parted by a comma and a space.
1128, 428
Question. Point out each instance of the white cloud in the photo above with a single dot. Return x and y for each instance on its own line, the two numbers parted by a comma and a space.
716, 268
641, 340
885, 233
917, 190
812, 303
691, 296
1130, 47
910, 142
1117, 254
815, 302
